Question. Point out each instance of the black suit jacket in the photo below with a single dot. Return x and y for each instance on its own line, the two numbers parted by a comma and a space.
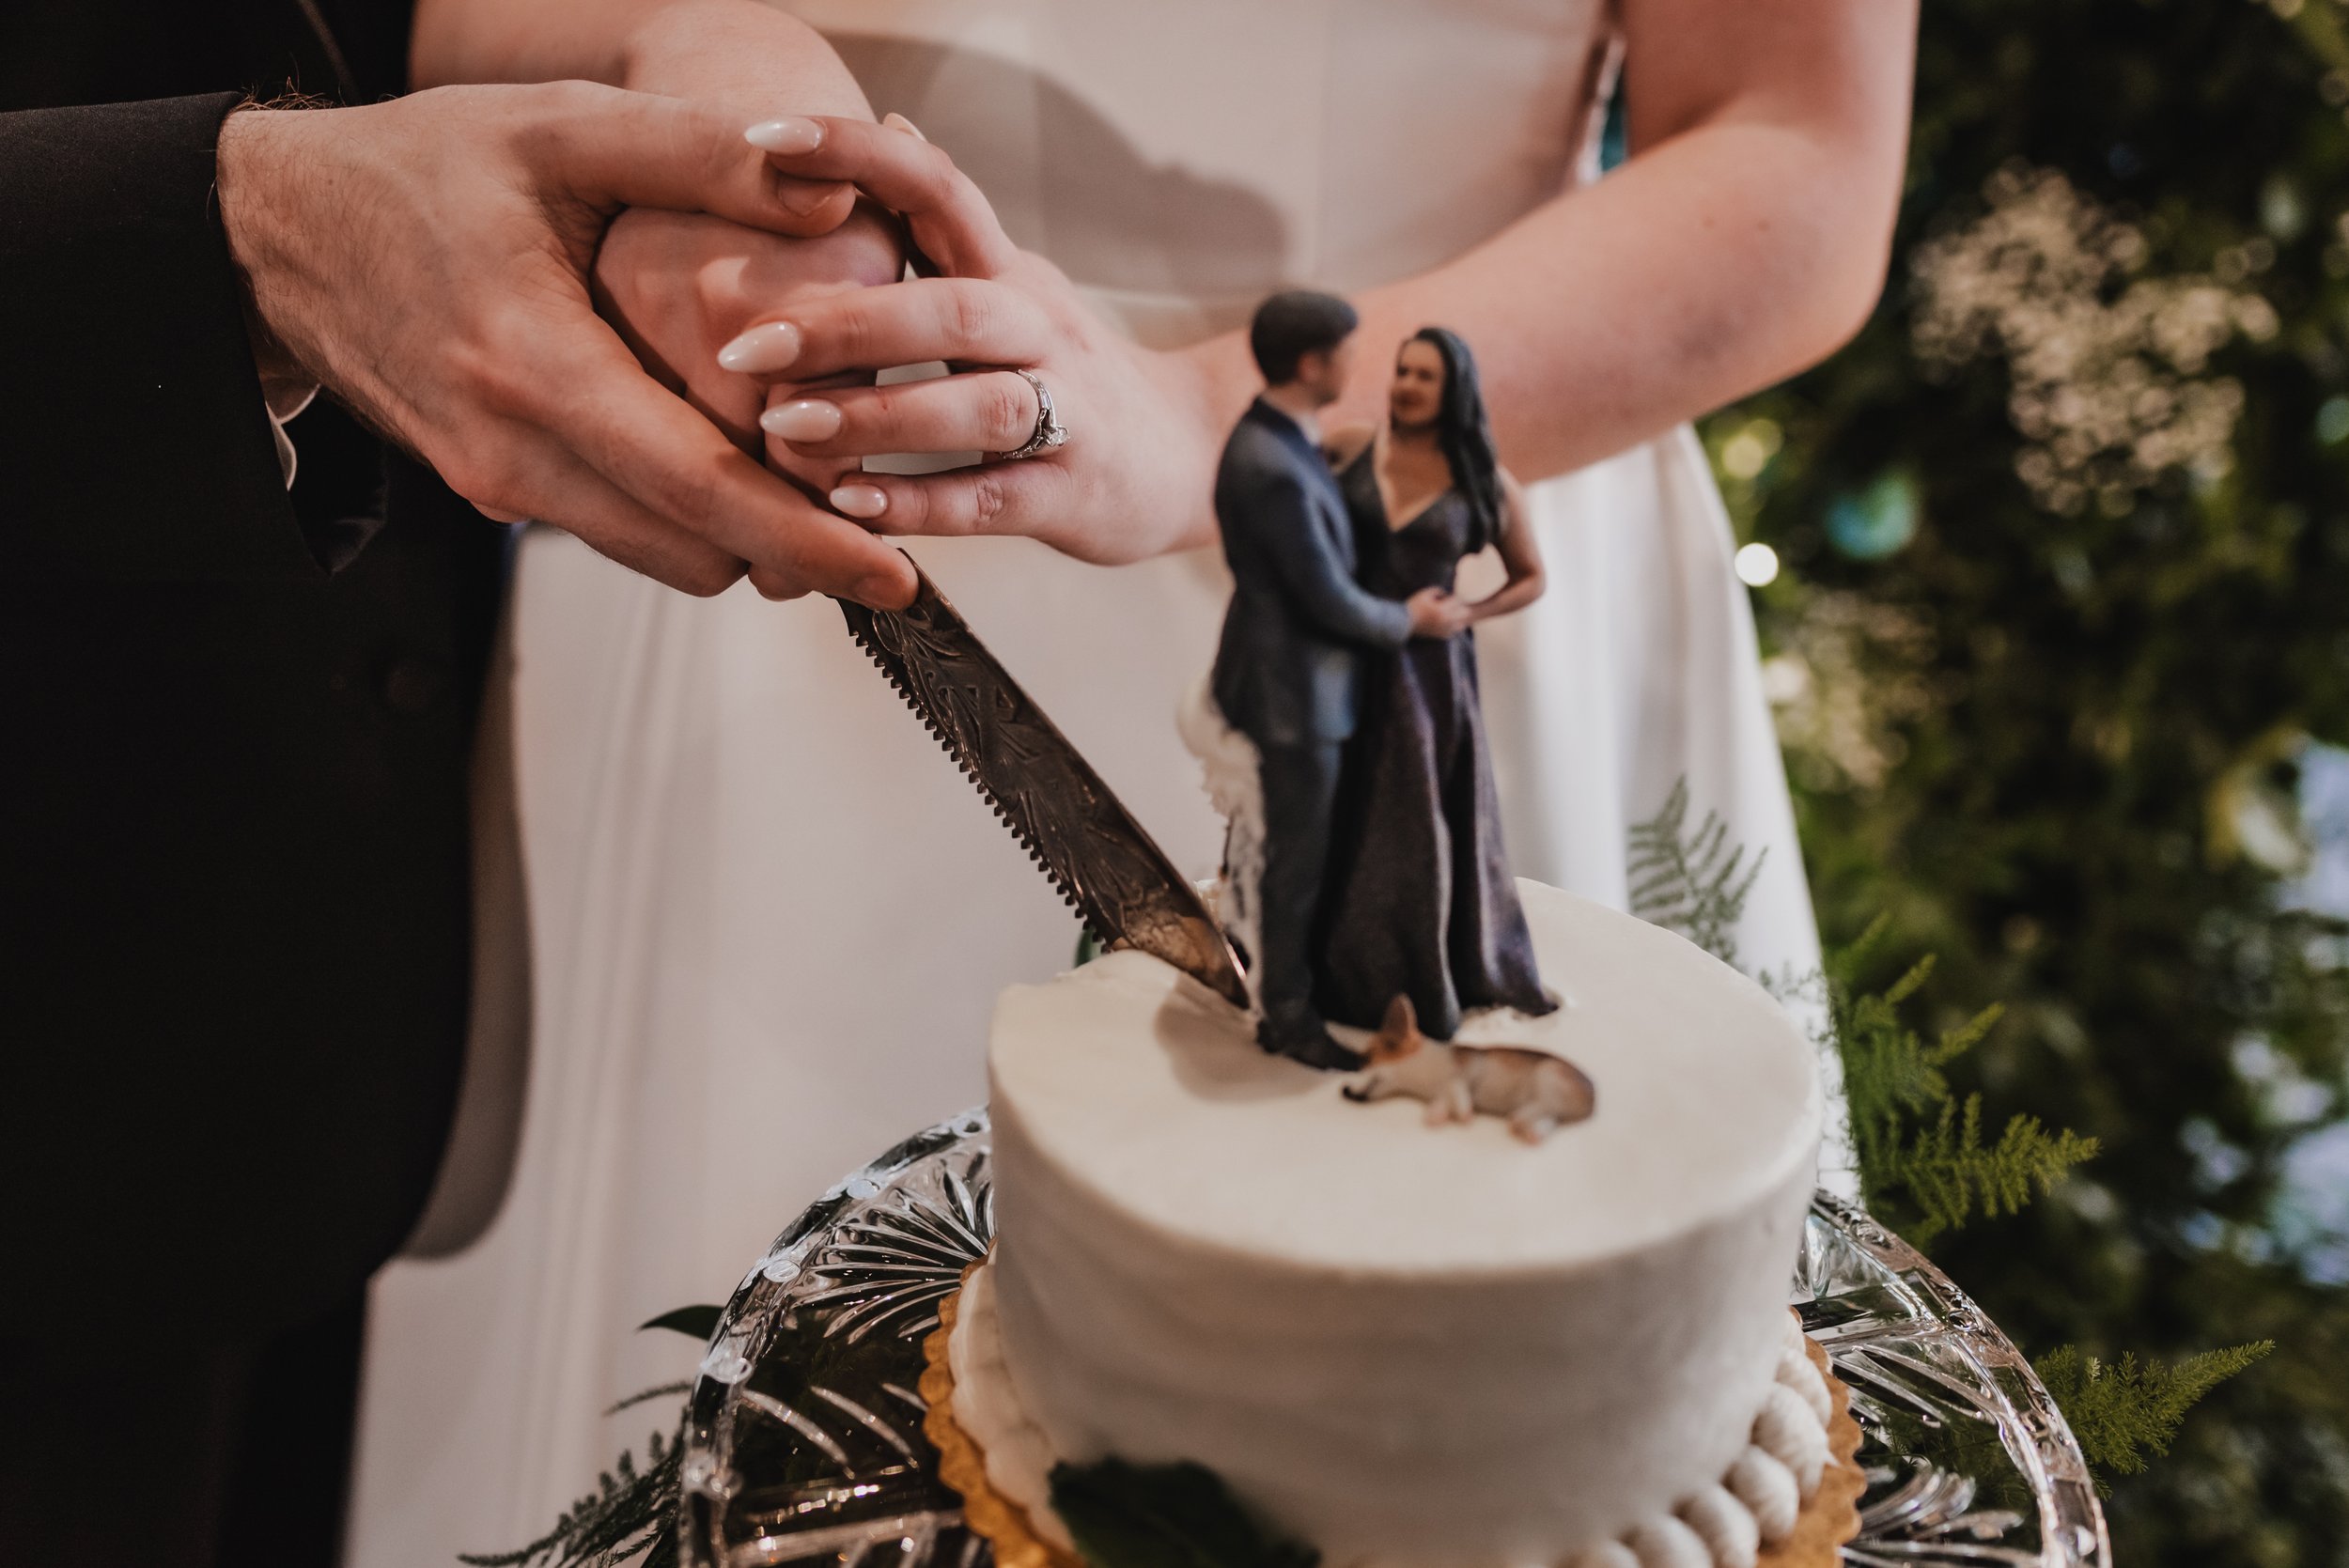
233, 827
1288, 668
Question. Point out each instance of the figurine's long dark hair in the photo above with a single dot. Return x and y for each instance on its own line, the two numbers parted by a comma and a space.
1465, 435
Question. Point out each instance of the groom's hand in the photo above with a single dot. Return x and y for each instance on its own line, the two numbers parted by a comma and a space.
426, 260
679, 286
1435, 612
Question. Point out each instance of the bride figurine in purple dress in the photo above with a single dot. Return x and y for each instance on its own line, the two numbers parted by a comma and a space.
1419, 898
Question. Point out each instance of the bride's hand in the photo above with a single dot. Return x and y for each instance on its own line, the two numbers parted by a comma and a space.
676, 285
1136, 475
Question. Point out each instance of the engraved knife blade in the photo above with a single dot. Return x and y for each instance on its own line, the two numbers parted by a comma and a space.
1088, 844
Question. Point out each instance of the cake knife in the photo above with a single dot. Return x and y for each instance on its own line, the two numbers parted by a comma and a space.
1103, 862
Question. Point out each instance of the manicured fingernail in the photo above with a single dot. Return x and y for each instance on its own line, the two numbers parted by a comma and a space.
762, 351
859, 501
897, 121
790, 136
807, 419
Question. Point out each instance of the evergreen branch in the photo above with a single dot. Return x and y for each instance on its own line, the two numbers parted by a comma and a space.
1908, 985
2121, 1412
630, 1515
1863, 947
1948, 1174
1956, 1042
626, 1517
1920, 1148
1912, 1136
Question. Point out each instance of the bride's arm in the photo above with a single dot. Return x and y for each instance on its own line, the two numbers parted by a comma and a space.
1520, 555
741, 55
733, 51
1744, 239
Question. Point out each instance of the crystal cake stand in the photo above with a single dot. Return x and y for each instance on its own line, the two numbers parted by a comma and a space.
804, 1435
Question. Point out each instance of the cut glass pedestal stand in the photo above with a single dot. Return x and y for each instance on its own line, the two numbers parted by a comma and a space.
804, 1435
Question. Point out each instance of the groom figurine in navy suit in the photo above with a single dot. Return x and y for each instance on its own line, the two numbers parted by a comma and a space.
1288, 671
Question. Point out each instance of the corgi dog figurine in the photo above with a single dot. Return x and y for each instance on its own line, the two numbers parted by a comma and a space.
1537, 1092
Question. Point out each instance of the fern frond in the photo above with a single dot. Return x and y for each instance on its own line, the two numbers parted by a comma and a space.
2122, 1411
1949, 1175
1908, 985
644, 1396
628, 1516
1695, 884
1956, 1043
1921, 1149
1847, 959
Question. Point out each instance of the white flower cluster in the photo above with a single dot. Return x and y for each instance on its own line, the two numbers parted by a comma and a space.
2108, 387
1843, 685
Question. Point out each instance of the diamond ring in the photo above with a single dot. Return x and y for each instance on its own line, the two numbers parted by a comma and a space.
1049, 433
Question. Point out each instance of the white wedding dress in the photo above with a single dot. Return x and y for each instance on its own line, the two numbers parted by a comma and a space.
767, 918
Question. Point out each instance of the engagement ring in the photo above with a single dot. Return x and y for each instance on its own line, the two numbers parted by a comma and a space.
1049, 433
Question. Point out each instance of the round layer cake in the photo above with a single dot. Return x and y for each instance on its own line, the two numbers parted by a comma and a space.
1402, 1343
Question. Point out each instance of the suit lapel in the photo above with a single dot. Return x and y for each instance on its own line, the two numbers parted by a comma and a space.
1287, 429
1333, 519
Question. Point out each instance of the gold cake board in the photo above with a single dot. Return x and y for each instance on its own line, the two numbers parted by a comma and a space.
1830, 1518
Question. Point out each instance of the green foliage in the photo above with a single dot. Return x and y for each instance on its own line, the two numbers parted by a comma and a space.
630, 1512
1695, 884
645, 1396
2122, 1411
2053, 734
1923, 1167
1946, 1172
1922, 1164
627, 1518
1127, 1516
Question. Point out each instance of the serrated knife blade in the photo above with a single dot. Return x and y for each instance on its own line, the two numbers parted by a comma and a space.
1071, 823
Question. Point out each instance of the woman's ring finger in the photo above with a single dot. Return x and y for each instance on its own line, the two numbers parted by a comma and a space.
994, 411
1049, 431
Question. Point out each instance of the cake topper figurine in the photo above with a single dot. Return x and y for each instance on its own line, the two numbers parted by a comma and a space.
1289, 669
1536, 1091
1365, 861
1420, 898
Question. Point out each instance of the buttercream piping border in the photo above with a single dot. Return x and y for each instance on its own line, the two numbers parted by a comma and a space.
1832, 1516
961, 1464
1829, 1520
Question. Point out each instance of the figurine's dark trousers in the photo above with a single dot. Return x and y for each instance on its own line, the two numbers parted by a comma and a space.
1300, 791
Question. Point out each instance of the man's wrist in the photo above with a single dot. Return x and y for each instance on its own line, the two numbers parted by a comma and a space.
250, 149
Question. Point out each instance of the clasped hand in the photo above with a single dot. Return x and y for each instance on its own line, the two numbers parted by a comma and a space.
614, 312
766, 336
425, 259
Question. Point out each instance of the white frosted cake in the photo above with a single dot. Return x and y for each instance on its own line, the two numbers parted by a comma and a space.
1407, 1344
